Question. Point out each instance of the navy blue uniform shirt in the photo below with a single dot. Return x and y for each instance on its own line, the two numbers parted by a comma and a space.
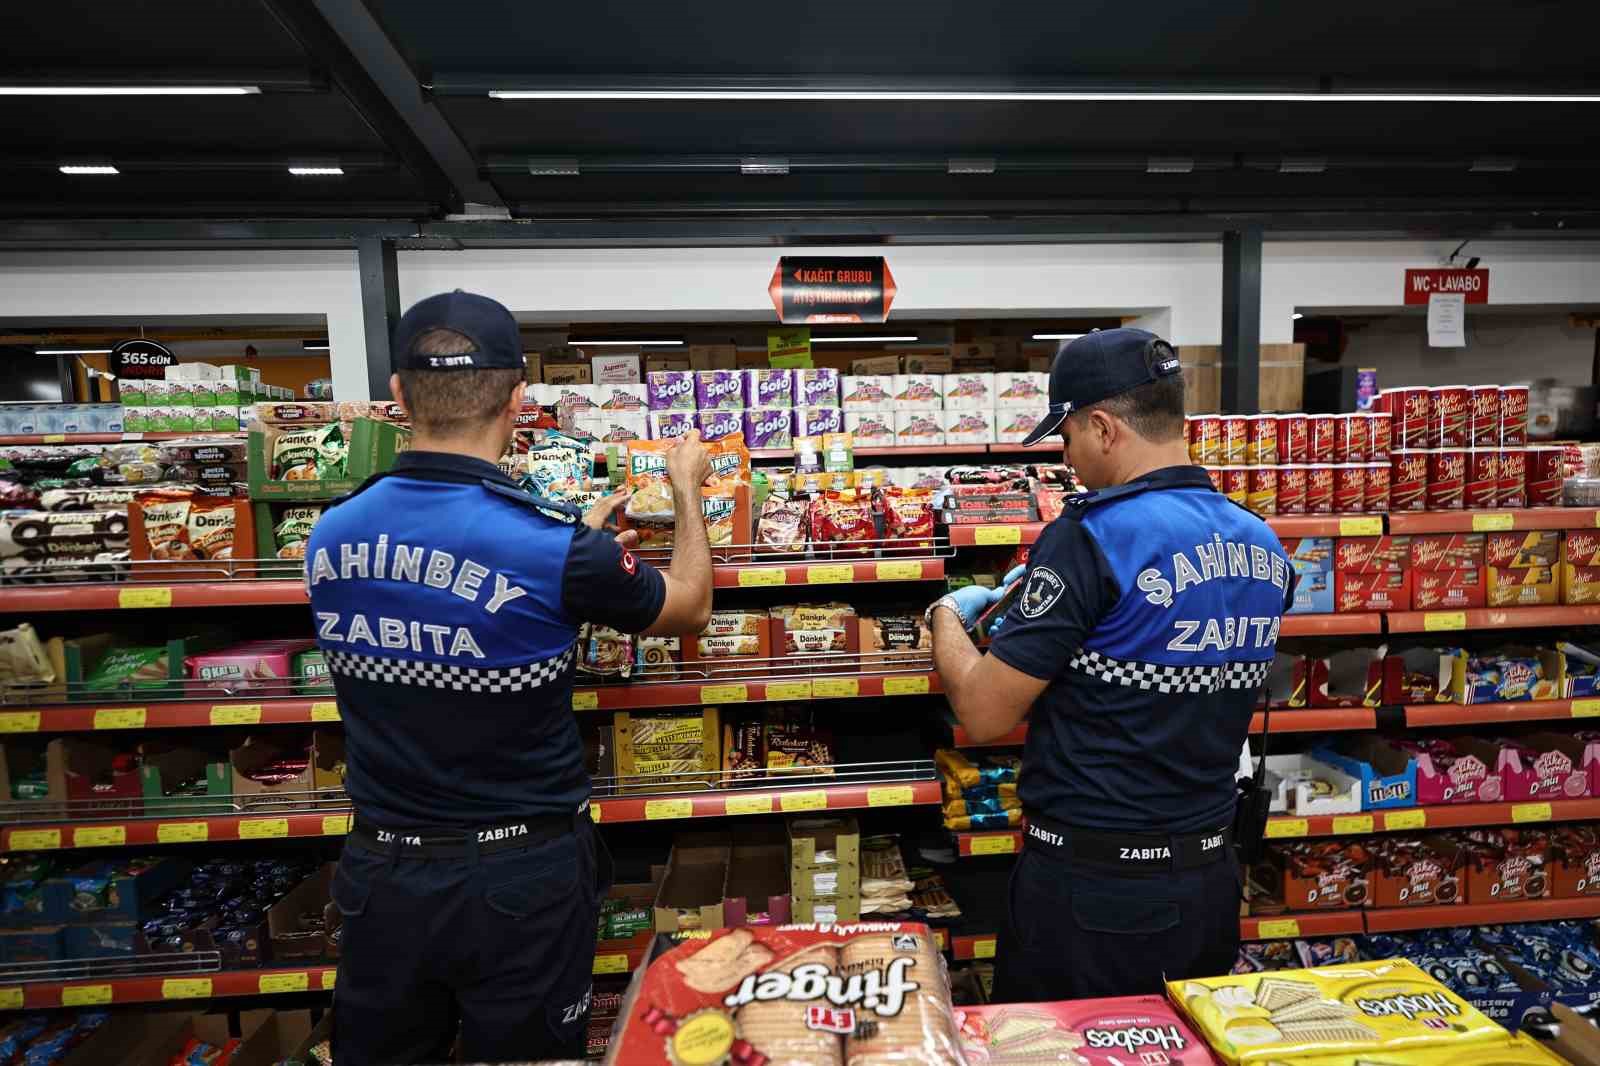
1152, 608
447, 602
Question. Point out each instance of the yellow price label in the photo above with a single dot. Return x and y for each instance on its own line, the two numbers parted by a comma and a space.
834, 574
19, 722
10, 999
611, 963
325, 711
182, 832
186, 988
941, 939
1288, 827
803, 801
1580, 709
1352, 823
1278, 929
285, 982
1441, 621
987, 535
983, 949
891, 796
35, 839
156, 597
763, 576
329, 979
1364, 526
119, 718
724, 693
263, 828
654, 809
100, 836
594, 811
788, 690
1531, 812
1400, 820
905, 686
1001, 844
85, 995
54, 438
1493, 523
336, 825
586, 701
825, 688
748, 805
236, 714
899, 571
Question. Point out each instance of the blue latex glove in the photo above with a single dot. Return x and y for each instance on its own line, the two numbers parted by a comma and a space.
1014, 574
972, 601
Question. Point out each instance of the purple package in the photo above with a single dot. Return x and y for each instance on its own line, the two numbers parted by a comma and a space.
768, 427
670, 390
714, 425
815, 421
816, 387
768, 388
1366, 387
666, 424
718, 390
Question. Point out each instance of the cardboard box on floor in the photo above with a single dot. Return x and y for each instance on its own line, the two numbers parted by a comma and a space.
273, 1035
163, 1049
758, 877
1578, 1040
128, 1037
692, 891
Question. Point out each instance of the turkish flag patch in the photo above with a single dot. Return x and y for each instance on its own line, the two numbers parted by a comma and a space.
629, 563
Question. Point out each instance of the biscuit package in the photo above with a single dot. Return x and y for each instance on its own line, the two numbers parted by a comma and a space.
1367, 1007
863, 994
1085, 1032
308, 454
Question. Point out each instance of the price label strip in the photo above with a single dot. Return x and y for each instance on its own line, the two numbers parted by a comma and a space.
99, 836
1278, 929
119, 718
899, 571
19, 722
905, 686
182, 832
788, 690
763, 576
675, 808
1287, 827
611, 963
263, 828
724, 693
1366, 526
803, 801
990, 535
186, 988
1002, 844
328, 710
1352, 823
284, 982
1401, 820
891, 796
236, 714
834, 688
748, 805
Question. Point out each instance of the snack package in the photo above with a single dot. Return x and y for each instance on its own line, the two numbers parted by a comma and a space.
741, 622
294, 529
838, 452
670, 390
727, 645
816, 629
558, 466
659, 657
793, 743
867, 392
211, 525
141, 668
770, 427
907, 517
1367, 1007
816, 387
264, 664
102, 499
768, 387
1094, 1032
698, 1002
717, 425
165, 513
815, 421
23, 660
990, 769
718, 390
782, 525
839, 518
895, 642
604, 652
308, 454
744, 746
647, 477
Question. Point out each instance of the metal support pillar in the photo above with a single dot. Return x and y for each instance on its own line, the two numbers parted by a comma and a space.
380, 309
1241, 321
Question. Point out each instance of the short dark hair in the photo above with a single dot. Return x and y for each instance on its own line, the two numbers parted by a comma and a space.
449, 401
1154, 410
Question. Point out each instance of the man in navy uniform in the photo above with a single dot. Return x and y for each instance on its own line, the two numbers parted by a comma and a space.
447, 602
1144, 628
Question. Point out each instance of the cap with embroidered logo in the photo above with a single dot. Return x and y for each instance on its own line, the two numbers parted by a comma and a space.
496, 343
1100, 365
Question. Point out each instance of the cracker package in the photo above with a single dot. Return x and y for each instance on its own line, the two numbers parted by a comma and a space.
1349, 1010
652, 491
863, 994
1085, 1032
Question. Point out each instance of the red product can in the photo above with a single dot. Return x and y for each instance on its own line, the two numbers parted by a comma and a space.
1410, 408
1375, 494
1483, 477
1483, 416
1350, 439
1235, 436
1447, 416
1319, 489
1447, 478
1236, 484
1261, 444
1215, 474
1512, 478
1380, 437
1291, 439
1319, 438
1349, 488
1408, 480
1292, 489
1205, 440
1262, 496
1545, 468
1513, 414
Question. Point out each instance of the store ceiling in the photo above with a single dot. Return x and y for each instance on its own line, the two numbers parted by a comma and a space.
396, 92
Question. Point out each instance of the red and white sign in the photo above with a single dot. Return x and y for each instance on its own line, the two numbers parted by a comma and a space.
1473, 284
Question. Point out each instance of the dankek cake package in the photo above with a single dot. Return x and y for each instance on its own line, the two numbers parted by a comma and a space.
1084, 1032
867, 994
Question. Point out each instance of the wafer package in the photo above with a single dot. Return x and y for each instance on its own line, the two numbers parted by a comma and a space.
1367, 1007
865, 994
1085, 1032
1519, 1050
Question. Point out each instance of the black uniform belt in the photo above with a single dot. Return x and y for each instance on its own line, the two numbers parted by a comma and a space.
1131, 854
456, 843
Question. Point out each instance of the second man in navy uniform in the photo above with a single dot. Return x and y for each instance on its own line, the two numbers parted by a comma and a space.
447, 602
1146, 622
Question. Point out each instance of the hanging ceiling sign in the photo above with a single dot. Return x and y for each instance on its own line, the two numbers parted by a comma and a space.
822, 289
1472, 284
141, 359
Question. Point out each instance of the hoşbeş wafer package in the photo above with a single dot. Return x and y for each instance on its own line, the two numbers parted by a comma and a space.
863, 994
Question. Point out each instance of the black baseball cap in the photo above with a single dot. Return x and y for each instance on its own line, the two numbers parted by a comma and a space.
486, 323
1100, 365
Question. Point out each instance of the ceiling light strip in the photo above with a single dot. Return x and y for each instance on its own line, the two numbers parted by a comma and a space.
1042, 96
913, 338
585, 343
129, 90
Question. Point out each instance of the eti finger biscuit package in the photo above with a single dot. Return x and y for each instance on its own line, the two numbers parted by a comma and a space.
864, 994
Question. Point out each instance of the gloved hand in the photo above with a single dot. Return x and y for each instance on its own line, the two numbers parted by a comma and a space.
972, 601
1014, 574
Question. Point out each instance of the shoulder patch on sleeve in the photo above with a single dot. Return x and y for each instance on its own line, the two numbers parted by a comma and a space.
554, 510
1043, 589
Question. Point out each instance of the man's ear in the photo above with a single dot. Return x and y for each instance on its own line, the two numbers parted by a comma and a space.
514, 404
399, 395
1108, 429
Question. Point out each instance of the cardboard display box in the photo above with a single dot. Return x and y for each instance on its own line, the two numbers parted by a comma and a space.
1507, 872
1346, 678
1549, 684
1382, 591
758, 879
1290, 779
292, 938
1388, 776
679, 743
1437, 590
695, 884
210, 1028
165, 768
273, 1036
824, 859
374, 445
1427, 876
1538, 586
130, 887
1447, 551
327, 752
567, 374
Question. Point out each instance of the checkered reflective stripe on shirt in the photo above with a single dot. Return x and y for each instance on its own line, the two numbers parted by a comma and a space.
456, 678
1154, 677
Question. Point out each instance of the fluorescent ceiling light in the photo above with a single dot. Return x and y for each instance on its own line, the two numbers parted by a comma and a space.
102, 168
1297, 316
866, 340
316, 172
129, 90
1015, 96
576, 343
314, 346
1056, 336
72, 351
